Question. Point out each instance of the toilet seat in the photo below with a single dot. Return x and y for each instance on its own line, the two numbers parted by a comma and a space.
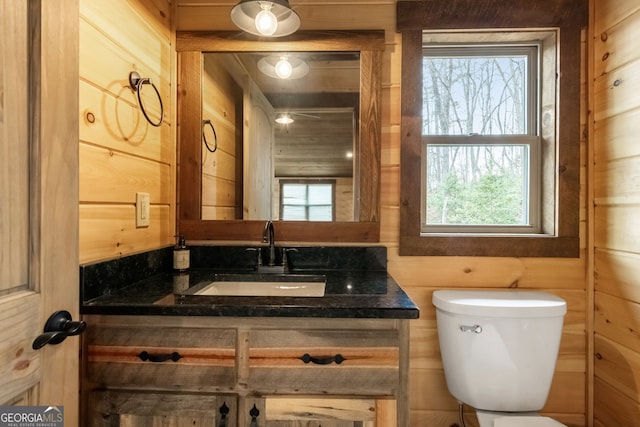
515, 419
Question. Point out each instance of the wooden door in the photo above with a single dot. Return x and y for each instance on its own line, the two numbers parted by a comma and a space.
38, 200
258, 140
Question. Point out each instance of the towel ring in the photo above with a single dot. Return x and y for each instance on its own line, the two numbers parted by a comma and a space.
215, 136
136, 82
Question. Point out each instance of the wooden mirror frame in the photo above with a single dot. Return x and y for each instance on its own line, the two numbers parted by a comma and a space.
190, 46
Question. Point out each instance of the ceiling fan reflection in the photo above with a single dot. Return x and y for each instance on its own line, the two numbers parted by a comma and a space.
286, 118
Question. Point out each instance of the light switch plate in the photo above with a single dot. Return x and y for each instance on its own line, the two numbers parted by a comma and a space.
142, 210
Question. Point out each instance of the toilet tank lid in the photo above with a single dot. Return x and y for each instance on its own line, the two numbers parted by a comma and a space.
500, 303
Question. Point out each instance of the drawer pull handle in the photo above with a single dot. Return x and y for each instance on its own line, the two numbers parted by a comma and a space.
144, 356
254, 412
224, 411
337, 359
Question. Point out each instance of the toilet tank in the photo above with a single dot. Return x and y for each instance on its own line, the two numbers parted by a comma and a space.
499, 348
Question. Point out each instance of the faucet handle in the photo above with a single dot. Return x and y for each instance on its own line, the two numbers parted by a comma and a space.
259, 251
284, 255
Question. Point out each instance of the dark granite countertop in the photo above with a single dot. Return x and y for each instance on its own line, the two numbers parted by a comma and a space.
360, 289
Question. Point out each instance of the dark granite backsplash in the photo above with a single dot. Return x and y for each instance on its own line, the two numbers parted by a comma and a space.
108, 277
369, 258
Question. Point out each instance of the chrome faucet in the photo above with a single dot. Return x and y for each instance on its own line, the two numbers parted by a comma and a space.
268, 237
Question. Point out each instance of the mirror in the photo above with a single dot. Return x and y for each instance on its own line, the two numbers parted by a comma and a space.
303, 120
202, 57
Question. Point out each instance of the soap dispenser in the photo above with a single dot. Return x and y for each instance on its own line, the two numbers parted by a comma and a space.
181, 256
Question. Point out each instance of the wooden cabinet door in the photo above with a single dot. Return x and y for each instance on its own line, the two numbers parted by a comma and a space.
115, 408
320, 412
287, 411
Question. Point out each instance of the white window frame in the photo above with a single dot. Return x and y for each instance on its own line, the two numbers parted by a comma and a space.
308, 183
531, 139
532, 167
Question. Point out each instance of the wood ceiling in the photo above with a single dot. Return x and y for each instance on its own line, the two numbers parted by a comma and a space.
324, 105
317, 144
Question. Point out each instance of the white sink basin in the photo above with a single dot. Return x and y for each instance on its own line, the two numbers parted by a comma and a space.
265, 285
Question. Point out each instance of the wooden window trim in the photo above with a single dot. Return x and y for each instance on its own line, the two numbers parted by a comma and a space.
569, 16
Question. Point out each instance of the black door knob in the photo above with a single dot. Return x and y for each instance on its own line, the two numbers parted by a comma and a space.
59, 326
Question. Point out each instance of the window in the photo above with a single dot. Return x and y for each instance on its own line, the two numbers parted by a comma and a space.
499, 174
302, 200
481, 186
480, 144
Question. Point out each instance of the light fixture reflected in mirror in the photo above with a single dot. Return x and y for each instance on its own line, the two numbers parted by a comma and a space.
283, 67
284, 119
273, 18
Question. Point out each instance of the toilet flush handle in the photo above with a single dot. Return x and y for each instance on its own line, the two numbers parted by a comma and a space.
471, 328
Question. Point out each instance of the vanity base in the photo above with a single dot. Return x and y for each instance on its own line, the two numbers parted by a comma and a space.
338, 372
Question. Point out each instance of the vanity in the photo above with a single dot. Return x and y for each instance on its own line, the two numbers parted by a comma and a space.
159, 349
321, 339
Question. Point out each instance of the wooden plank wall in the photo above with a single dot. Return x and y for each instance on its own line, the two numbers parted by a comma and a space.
222, 169
616, 193
120, 153
431, 404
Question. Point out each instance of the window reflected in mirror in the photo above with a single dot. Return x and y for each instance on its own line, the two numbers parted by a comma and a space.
307, 200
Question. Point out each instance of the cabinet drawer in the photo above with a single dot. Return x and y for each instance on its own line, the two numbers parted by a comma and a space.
355, 362
174, 358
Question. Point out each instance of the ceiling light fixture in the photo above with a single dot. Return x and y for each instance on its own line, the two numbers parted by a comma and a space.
283, 67
273, 18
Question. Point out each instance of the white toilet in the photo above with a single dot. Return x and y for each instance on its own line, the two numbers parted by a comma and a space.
499, 351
